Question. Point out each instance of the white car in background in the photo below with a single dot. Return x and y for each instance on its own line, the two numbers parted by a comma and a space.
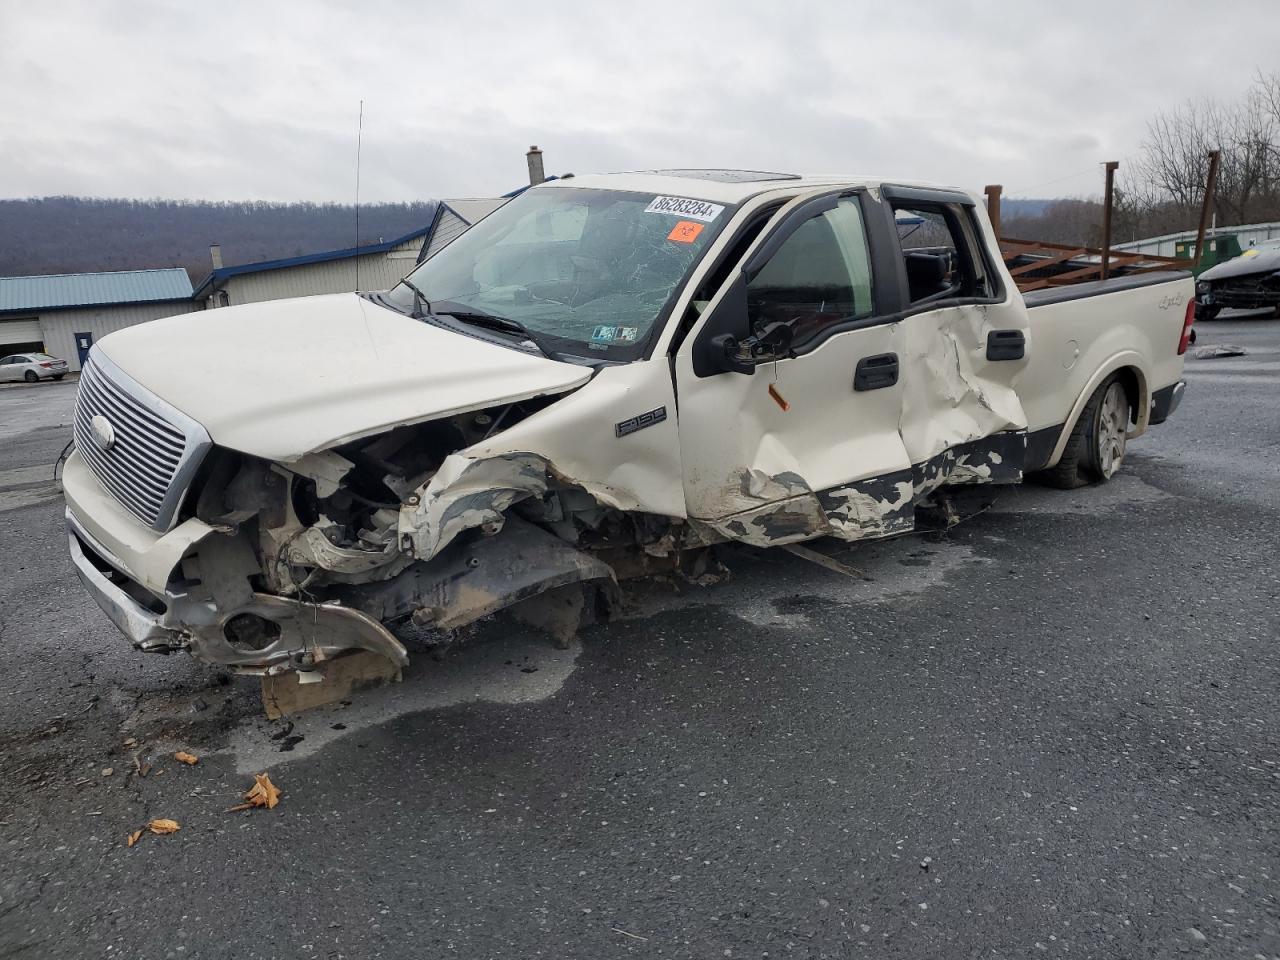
32, 367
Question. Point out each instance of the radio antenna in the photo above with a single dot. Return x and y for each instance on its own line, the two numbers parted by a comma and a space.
359, 142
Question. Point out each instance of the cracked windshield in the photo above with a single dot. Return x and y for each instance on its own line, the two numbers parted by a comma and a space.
590, 266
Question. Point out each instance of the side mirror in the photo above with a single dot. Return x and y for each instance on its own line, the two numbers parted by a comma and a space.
771, 343
729, 356
719, 346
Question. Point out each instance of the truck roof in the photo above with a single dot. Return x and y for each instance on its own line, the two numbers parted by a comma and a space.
722, 186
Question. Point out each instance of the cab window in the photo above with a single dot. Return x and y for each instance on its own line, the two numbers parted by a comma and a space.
819, 277
941, 253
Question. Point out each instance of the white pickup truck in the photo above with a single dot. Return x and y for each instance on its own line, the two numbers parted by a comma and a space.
608, 373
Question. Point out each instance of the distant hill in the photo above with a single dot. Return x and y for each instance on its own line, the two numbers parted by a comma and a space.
82, 234
1024, 208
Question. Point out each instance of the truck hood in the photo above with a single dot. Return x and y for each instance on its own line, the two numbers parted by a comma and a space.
285, 378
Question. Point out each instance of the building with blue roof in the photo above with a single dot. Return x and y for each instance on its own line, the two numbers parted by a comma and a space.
374, 266
65, 313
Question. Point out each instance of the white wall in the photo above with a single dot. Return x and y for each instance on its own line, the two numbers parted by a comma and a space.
378, 271
60, 326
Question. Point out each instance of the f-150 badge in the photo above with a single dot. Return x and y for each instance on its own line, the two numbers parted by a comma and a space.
640, 422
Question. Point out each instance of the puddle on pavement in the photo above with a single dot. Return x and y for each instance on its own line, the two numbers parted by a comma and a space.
504, 663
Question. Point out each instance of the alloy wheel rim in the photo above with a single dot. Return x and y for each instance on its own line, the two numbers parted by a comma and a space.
1113, 429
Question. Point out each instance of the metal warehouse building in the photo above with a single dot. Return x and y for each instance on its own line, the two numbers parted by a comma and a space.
64, 314
380, 265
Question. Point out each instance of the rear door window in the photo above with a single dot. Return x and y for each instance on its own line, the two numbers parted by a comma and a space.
941, 253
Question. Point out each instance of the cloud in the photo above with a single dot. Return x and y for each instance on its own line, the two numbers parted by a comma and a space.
255, 100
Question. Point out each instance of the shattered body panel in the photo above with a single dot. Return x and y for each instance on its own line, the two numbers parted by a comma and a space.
959, 397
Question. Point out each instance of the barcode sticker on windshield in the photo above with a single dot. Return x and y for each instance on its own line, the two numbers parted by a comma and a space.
682, 207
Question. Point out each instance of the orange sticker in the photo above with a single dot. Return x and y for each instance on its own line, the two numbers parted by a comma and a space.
685, 232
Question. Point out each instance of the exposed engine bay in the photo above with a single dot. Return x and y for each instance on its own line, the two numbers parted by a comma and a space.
401, 533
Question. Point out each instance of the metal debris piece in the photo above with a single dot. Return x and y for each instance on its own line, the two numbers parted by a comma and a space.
822, 560
1214, 350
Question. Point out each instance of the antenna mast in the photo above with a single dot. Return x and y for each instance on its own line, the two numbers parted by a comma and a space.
359, 142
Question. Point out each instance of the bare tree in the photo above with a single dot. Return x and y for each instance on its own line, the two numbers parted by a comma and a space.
1174, 164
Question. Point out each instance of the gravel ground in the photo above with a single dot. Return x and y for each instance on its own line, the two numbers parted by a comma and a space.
1050, 731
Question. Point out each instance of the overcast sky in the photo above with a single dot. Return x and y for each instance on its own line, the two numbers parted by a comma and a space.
229, 100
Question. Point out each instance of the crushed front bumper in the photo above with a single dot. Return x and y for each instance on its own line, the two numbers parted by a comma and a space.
142, 626
300, 635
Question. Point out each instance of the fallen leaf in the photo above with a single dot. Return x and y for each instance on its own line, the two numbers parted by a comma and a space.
107, 771
163, 826
131, 742
134, 837
188, 758
263, 793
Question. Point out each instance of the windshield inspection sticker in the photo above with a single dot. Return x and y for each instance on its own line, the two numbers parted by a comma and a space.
681, 207
686, 231
608, 334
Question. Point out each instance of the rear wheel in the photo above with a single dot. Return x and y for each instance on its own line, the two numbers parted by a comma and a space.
1096, 447
1107, 434
58, 376
30, 376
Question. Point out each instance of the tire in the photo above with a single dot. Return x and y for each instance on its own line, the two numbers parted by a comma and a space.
1095, 450
30, 376
58, 376
1106, 437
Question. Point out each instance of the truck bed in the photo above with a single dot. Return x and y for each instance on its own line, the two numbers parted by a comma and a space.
1079, 330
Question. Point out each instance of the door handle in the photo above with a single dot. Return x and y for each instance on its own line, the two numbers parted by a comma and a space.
876, 373
1006, 345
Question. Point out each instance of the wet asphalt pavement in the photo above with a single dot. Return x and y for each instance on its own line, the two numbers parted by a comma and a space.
1051, 731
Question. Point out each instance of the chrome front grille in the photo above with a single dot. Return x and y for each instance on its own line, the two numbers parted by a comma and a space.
143, 451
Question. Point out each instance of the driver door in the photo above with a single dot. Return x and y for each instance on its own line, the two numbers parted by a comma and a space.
781, 445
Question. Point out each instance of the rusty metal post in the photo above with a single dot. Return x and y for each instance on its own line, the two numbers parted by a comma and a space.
1206, 204
993, 191
1108, 198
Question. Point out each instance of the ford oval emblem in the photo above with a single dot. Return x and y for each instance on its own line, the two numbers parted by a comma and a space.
104, 435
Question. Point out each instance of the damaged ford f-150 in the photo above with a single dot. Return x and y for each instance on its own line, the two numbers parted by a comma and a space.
607, 373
